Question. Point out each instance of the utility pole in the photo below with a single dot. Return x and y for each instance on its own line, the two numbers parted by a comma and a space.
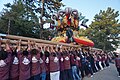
8, 31
42, 12
41, 18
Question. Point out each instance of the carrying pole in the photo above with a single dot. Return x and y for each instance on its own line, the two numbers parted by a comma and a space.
13, 37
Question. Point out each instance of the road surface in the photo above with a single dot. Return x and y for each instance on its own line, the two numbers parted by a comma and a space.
109, 73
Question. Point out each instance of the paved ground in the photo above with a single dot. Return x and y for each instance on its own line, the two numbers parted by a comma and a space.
107, 74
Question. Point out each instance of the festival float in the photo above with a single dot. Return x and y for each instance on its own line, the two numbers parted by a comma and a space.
67, 22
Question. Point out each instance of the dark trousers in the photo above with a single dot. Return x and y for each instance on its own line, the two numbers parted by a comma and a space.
107, 63
103, 64
90, 70
118, 69
93, 68
68, 74
36, 77
98, 66
81, 73
84, 70
62, 75
48, 76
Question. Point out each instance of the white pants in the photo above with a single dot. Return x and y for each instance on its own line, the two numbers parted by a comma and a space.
55, 75
96, 67
100, 63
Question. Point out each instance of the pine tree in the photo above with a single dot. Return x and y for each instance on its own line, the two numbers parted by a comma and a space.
104, 30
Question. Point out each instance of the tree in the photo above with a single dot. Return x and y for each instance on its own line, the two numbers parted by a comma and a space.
18, 21
22, 17
104, 30
44, 8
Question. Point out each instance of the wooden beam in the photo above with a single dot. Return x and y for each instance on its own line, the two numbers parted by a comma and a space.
36, 40
13, 42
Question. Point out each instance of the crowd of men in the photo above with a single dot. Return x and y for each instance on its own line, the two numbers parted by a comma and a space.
49, 62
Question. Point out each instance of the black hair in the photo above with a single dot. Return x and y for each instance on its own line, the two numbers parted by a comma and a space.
61, 53
14, 52
66, 53
54, 48
116, 55
3, 55
58, 48
74, 56
34, 52
25, 53
84, 54
41, 54
53, 54
47, 54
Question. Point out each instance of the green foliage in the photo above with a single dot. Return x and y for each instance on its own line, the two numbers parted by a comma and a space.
22, 22
23, 17
82, 32
44, 9
104, 30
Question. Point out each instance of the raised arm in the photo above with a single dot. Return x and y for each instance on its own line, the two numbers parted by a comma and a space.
29, 45
7, 45
8, 52
34, 45
18, 45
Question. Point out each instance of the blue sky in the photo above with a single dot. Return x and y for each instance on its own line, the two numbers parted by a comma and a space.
87, 7
91, 7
